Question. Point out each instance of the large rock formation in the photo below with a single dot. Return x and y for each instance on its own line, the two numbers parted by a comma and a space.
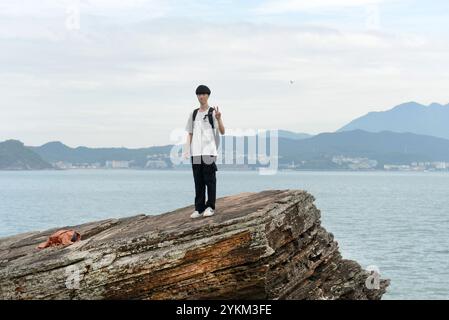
266, 245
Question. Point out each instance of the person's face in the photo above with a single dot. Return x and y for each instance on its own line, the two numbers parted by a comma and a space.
202, 98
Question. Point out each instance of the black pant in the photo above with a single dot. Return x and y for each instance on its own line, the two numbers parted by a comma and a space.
204, 169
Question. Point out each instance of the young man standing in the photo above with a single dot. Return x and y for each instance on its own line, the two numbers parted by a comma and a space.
204, 126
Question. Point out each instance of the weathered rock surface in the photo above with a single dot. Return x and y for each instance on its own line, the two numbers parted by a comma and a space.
266, 245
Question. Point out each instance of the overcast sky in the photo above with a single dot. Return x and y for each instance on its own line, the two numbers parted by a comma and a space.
124, 73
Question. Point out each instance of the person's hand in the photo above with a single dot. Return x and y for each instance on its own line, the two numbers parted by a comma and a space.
186, 155
217, 113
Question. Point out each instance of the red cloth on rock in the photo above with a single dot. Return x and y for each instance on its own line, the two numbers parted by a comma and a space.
61, 238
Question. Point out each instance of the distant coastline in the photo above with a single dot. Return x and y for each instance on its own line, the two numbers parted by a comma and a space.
375, 141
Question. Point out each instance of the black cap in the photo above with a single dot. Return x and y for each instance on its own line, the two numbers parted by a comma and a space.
202, 89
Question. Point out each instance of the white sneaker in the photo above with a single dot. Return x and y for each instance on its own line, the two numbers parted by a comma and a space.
196, 214
208, 212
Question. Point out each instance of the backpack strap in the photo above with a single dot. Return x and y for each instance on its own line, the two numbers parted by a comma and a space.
194, 113
193, 117
211, 119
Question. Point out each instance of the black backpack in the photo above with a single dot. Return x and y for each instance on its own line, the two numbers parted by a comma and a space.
209, 115
211, 121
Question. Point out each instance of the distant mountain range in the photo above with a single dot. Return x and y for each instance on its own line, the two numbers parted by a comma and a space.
293, 135
57, 151
407, 117
316, 152
386, 147
407, 133
15, 156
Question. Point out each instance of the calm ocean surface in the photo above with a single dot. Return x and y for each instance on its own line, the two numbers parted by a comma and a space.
397, 221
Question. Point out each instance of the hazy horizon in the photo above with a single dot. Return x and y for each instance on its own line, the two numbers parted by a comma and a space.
232, 132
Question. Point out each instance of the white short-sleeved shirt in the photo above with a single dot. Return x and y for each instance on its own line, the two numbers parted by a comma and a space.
203, 139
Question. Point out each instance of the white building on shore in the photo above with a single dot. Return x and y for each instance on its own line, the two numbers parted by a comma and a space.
117, 164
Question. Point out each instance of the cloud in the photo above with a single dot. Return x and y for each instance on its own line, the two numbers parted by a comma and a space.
18, 8
132, 76
283, 6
